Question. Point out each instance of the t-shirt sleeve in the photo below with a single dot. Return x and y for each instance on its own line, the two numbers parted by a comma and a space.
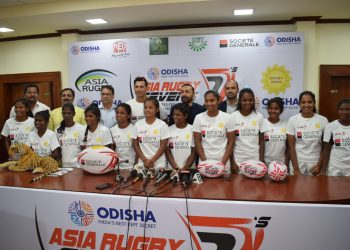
262, 127
291, 126
327, 135
5, 130
197, 125
134, 131
164, 132
107, 137
230, 124
54, 142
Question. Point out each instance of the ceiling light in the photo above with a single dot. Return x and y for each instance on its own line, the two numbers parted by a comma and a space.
3, 29
243, 12
96, 21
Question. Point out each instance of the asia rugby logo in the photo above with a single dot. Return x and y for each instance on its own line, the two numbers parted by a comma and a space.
202, 230
92, 80
80, 213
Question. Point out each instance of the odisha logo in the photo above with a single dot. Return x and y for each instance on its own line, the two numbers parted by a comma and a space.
153, 73
75, 50
269, 41
81, 213
92, 80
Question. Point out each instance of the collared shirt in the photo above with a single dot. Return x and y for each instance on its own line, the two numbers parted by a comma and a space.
37, 107
194, 110
108, 118
56, 117
231, 108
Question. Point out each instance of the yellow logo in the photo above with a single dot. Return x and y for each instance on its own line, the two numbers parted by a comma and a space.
221, 125
188, 136
283, 130
128, 135
75, 134
155, 131
98, 139
317, 125
45, 143
276, 79
27, 129
254, 123
97, 147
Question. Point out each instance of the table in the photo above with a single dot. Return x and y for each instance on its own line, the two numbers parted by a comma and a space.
69, 212
300, 189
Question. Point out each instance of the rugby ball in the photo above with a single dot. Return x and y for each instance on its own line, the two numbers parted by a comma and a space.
253, 169
211, 168
277, 171
98, 159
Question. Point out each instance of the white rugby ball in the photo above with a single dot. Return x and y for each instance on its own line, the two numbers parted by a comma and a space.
211, 168
253, 169
277, 171
98, 159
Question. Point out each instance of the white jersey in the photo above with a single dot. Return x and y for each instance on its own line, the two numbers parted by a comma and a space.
123, 142
149, 137
180, 143
308, 134
137, 109
43, 146
18, 131
339, 161
275, 138
214, 133
70, 142
100, 137
247, 130
37, 107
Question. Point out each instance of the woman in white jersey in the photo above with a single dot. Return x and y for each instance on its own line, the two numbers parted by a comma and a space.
336, 142
95, 134
213, 132
70, 136
180, 151
304, 135
275, 136
16, 130
121, 134
150, 137
44, 141
249, 129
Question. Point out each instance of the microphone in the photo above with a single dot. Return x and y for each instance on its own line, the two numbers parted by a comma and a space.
119, 177
139, 176
133, 173
146, 178
174, 177
166, 174
184, 177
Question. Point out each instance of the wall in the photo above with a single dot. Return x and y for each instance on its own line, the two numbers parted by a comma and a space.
325, 44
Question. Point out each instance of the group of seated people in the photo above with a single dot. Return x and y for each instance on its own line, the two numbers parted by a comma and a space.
306, 143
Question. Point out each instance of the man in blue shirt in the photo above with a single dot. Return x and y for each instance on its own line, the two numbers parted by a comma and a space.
106, 107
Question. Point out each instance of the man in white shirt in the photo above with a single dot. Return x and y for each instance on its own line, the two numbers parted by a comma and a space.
31, 93
136, 104
106, 107
230, 104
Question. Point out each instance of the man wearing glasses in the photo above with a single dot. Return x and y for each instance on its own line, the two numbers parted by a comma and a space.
31, 92
106, 107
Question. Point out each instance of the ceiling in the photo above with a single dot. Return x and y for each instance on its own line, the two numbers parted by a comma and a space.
33, 17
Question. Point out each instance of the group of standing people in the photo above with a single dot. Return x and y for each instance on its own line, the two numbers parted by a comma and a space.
230, 132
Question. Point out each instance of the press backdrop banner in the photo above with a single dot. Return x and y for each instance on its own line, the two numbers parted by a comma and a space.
43, 219
271, 64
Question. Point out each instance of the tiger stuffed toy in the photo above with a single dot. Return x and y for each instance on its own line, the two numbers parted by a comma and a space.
23, 158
